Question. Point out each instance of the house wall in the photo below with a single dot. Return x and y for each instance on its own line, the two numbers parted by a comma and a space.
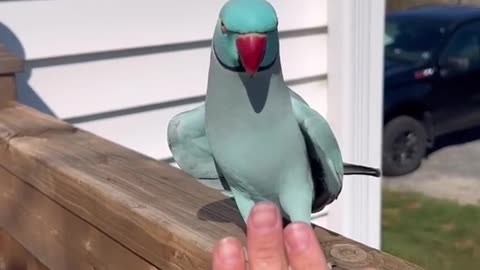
123, 69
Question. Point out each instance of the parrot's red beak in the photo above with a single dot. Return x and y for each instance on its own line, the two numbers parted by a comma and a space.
251, 48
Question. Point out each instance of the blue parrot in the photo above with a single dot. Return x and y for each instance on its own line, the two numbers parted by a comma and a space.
254, 138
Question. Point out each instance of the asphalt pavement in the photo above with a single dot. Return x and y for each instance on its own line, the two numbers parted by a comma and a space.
451, 170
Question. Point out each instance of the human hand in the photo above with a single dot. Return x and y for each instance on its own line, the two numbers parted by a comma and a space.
269, 246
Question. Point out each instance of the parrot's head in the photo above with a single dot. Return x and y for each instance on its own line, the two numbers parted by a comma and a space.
246, 36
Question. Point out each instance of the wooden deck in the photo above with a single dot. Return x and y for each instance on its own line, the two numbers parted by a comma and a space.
73, 200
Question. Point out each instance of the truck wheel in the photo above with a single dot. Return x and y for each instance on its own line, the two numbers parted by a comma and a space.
404, 145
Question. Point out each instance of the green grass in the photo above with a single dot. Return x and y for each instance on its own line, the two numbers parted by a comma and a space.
434, 234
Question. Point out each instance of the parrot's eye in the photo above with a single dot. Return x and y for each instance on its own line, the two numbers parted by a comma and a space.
224, 29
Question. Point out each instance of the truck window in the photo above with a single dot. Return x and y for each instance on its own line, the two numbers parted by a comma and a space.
463, 50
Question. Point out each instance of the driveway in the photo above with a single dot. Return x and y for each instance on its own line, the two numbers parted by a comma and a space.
452, 171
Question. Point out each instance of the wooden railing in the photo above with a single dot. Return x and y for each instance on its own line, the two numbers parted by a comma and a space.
14, 256
72, 200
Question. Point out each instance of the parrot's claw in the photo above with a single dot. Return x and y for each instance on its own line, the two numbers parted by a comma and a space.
228, 194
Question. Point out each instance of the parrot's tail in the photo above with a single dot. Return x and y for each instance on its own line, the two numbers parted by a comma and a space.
352, 169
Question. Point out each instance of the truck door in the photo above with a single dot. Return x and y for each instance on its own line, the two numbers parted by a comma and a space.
456, 95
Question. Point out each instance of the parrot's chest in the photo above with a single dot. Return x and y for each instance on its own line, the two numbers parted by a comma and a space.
253, 134
255, 159
251, 154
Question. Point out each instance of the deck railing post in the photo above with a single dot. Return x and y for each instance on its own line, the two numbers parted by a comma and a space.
9, 66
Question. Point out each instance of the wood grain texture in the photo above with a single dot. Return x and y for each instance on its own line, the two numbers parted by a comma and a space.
347, 254
13, 256
9, 63
154, 209
56, 236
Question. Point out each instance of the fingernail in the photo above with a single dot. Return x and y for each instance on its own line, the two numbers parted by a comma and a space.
264, 215
297, 237
230, 251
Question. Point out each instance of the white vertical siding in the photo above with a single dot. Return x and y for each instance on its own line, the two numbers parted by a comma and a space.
356, 111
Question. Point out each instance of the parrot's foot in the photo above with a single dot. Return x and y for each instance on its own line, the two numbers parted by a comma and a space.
299, 216
228, 194
244, 203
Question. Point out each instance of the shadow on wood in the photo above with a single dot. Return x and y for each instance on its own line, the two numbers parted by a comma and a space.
224, 211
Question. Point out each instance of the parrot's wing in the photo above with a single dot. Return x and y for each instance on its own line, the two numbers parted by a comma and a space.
190, 148
324, 154
296, 96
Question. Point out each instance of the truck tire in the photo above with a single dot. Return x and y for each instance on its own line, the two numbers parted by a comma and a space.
404, 145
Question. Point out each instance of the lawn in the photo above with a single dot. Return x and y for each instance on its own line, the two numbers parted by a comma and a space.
431, 233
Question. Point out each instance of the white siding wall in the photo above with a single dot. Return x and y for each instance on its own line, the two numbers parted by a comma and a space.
122, 69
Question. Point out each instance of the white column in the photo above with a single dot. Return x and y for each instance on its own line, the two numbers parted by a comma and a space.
355, 98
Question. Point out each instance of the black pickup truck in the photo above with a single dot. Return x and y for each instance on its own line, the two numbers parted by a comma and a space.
431, 81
